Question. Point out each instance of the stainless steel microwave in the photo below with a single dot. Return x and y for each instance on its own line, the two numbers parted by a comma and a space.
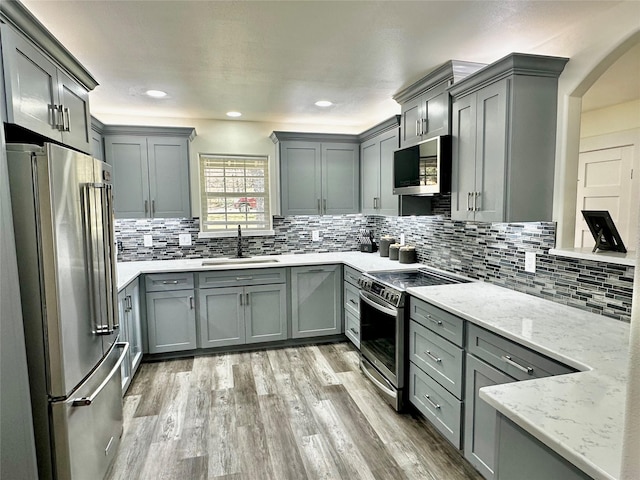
423, 169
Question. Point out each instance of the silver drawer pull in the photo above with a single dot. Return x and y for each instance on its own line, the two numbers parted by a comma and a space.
437, 322
351, 300
433, 404
433, 357
238, 279
354, 331
170, 282
508, 359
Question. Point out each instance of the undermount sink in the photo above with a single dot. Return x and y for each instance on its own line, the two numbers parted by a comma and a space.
238, 261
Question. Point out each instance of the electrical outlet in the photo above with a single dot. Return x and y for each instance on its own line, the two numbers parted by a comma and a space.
315, 235
148, 240
530, 262
184, 239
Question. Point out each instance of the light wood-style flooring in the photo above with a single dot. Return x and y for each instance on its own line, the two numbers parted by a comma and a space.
289, 413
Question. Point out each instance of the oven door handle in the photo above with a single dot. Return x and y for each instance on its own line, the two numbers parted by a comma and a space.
377, 305
378, 383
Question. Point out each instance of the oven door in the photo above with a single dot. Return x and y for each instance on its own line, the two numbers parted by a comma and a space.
382, 337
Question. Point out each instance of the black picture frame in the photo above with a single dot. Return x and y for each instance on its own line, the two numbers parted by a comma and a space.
604, 231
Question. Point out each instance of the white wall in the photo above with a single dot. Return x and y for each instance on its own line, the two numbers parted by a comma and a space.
613, 119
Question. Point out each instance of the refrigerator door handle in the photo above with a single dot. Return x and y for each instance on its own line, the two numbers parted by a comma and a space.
86, 401
110, 256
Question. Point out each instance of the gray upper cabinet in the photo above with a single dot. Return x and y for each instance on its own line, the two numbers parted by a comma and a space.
97, 141
329, 165
504, 126
316, 301
150, 172
376, 162
425, 105
41, 96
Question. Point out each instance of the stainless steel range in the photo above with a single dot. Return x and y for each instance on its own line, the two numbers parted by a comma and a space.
383, 324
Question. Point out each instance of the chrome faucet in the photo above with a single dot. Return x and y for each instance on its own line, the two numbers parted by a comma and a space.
239, 249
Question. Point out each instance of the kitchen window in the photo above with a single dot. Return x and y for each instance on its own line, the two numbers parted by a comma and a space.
234, 190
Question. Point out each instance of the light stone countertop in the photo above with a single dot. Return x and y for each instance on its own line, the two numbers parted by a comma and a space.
365, 262
580, 415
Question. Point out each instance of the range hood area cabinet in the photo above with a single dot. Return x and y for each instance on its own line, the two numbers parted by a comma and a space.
504, 137
426, 106
46, 89
319, 173
150, 170
376, 168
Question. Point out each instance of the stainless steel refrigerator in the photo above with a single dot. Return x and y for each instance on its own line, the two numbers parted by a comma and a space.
63, 219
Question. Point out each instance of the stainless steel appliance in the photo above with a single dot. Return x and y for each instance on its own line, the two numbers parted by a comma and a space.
423, 169
63, 220
383, 324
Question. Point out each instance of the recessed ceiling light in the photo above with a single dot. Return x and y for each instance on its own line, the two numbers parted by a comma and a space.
156, 93
234, 114
323, 103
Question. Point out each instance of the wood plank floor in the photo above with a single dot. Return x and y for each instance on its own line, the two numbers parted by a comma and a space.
290, 413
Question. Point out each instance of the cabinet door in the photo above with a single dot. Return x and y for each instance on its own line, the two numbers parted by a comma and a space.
340, 178
127, 154
77, 124
135, 325
31, 85
388, 202
221, 316
171, 321
97, 146
437, 113
168, 177
491, 151
463, 157
123, 316
300, 176
265, 313
480, 418
370, 164
316, 301
411, 112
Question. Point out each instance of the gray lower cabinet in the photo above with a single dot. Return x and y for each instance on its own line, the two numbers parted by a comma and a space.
480, 418
150, 173
503, 152
351, 296
239, 315
130, 330
40, 96
331, 173
171, 314
520, 455
316, 301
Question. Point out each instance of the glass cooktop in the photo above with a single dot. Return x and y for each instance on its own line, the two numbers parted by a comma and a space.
416, 278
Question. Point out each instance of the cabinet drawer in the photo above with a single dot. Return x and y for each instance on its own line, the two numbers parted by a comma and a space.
160, 282
439, 406
443, 323
352, 299
439, 358
352, 328
234, 278
351, 275
511, 358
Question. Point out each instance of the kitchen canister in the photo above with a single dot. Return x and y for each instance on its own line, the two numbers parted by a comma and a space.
407, 254
394, 249
385, 241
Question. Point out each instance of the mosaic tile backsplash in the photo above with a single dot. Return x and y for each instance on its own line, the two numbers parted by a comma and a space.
492, 252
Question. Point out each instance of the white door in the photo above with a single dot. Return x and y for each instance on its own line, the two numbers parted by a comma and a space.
605, 183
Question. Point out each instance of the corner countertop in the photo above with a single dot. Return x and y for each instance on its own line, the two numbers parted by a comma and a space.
364, 262
579, 415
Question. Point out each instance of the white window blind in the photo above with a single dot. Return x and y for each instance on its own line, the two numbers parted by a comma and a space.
234, 191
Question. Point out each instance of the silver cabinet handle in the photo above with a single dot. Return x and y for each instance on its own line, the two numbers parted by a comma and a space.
128, 304
239, 279
425, 126
351, 300
469, 209
66, 119
170, 282
417, 128
247, 299
508, 360
433, 404
153, 207
241, 295
146, 207
53, 116
315, 270
436, 321
319, 207
60, 119
191, 304
354, 331
433, 357
325, 205
86, 401
476, 195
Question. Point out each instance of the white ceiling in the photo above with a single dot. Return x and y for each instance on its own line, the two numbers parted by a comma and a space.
272, 60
